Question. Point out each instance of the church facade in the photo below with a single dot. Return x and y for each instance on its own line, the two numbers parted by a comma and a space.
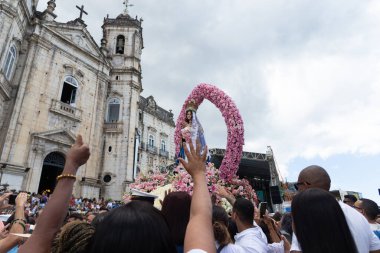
56, 82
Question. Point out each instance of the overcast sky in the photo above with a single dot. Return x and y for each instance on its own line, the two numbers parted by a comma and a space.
305, 74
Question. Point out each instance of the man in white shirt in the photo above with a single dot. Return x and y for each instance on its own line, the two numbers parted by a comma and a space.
249, 236
369, 209
316, 177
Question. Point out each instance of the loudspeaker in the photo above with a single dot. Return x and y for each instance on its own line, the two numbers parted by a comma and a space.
275, 194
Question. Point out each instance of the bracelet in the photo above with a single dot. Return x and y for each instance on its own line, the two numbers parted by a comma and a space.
20, 223
72, 176
23, 220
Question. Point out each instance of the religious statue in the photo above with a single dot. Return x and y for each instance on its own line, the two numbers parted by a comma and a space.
192, 130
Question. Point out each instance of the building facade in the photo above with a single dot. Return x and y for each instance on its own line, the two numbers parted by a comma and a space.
55, 83
156, 149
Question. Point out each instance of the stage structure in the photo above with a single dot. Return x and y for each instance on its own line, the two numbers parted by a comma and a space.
261, 171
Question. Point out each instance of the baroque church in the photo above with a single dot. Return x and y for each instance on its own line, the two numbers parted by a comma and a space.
56, 82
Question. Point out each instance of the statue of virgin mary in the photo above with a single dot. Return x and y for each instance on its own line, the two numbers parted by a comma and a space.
192, 130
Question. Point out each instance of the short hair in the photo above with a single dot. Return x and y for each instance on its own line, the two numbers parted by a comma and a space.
351, 197
370, 208
316, 176
277, 216
244, 210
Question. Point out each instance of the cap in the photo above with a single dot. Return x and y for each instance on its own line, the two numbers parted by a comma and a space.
143, 196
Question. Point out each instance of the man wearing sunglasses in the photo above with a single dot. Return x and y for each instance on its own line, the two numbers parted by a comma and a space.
349, 200
316, 177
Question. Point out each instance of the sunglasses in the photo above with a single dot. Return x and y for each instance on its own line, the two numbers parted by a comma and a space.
296, 185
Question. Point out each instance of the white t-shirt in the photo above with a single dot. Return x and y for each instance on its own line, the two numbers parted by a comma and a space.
251, 240
276, 247
364, 238
230, 248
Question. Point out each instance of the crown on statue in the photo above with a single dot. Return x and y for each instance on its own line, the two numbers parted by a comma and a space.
192, 106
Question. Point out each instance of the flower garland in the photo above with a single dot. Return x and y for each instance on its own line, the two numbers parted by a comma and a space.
182, 181
151, 181
232, 118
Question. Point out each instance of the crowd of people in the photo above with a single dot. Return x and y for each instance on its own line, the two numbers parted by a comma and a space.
63, 223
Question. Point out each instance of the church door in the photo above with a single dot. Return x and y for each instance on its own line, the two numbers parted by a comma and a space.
52, 167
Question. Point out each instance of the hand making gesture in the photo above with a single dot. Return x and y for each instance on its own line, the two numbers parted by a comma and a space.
77, 155
196, 164
199, 232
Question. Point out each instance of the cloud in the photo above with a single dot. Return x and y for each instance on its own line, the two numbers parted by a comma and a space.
305, 74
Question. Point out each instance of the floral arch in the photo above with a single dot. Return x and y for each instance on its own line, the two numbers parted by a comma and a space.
157, 182
232, 118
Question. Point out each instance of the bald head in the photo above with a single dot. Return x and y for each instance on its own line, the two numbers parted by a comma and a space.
316, 177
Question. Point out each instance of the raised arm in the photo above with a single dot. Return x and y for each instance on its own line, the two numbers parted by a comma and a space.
18, 225
199, 232
55, 211
224, 193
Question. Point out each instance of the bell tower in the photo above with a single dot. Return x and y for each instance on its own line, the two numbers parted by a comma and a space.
122, 43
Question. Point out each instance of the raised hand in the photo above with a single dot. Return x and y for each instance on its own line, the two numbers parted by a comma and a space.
21, 199
78, 153
3, 198
196, 164
222, 191
287, 245
4, 232
166, 194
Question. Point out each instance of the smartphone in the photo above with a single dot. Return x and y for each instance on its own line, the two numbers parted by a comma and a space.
12, 199
263, 208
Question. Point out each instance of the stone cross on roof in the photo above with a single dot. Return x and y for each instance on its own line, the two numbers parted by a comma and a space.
81, 11
126, 3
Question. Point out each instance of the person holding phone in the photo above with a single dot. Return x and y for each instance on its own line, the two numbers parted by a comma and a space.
18, 224
249, 236
250, 229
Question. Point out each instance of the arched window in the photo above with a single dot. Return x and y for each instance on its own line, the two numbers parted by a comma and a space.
69, 90
10, 62
163, 145
151, 141
120, 43
113, 110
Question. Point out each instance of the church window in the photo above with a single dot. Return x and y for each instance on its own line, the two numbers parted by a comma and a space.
113, 110
69, 90
107, 178
163, 145
117, 78
120, 42
151, 141
10, 62
110, 149
151, 161
140, 116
